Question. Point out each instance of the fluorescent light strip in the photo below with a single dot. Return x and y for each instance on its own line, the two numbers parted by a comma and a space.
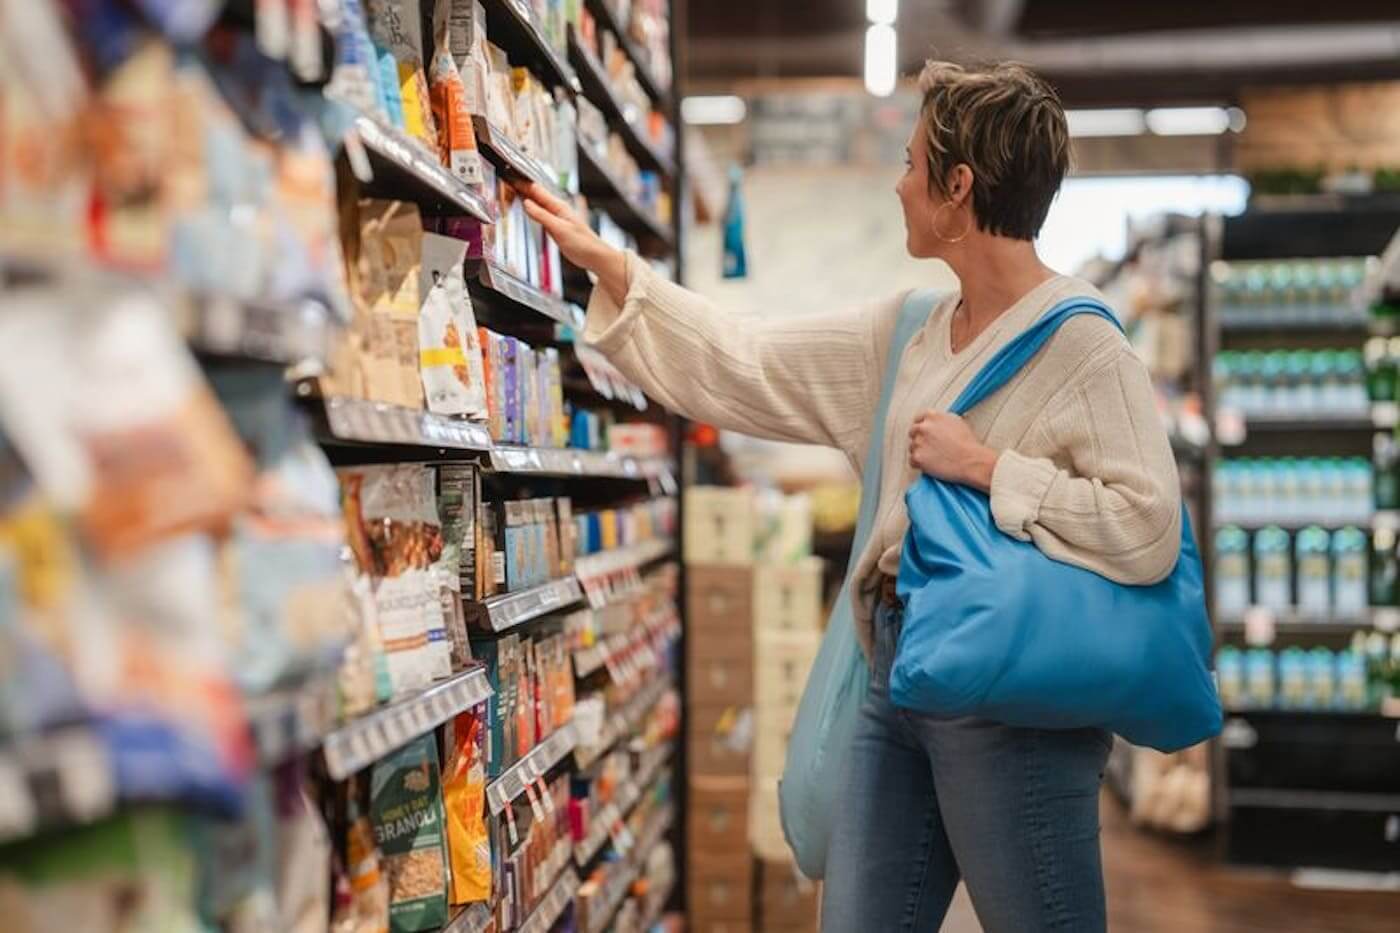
1188, 121
722, 110
881, 47
882, 12
1124, 122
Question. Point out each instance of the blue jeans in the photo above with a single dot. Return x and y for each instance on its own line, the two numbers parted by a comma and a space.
1012, 812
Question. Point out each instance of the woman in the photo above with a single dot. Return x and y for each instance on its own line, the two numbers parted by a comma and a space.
1071, 452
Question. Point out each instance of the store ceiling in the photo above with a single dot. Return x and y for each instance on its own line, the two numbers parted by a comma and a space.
1099, 52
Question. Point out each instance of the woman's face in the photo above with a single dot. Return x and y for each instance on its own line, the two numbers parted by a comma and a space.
921, 208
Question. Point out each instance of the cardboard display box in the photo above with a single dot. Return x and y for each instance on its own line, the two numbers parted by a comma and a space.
719, 525
720, 681
718, 598
786, 900
783, 661
717, 816
719, 741
719, 887
788, 597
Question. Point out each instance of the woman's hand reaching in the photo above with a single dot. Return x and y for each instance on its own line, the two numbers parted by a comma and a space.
577, 241
944, 447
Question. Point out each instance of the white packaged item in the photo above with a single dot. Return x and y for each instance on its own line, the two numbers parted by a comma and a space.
454, 380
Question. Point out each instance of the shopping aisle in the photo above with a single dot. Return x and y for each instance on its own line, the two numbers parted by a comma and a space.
1158, 885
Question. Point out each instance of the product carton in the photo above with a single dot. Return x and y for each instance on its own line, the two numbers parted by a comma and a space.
719, 887
719, 525
717, 815
772, 731
719, 741
787, 902
718, 679
765, 825
788, 597
783, 662
719, 598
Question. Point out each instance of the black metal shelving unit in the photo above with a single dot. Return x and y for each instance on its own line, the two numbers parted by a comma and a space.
1295, 787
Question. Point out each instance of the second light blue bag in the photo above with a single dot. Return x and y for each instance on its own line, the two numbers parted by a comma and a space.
994, 628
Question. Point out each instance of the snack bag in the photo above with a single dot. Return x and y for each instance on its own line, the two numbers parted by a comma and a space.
368, 908
393, 531
464, 799
456, 139
397, 26
390, 252
406, 810
449, 348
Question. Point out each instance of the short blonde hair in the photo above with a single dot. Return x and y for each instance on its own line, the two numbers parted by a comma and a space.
1005, 123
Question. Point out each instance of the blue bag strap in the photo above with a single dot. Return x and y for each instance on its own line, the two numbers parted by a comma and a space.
912, 316
1009, 359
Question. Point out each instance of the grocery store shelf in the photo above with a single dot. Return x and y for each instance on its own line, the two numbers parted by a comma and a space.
1268, 798
663, 897
364, 422
623, 559
527, 770
543, 917
474, 919
510, 162
620, 807
607, 16
512, 609
1294, 626
624, 722
493, 285
1253, 322
286, 333
365, 740
605, 189
566, 461
1302, 228
1379, 417
405, 169
593, 658
616, 887
511, 25
1382, 519
621, 117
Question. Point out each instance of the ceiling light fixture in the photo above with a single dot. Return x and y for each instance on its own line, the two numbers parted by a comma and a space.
1188, 121
720, 110
882, 12
1109, 122
881, 49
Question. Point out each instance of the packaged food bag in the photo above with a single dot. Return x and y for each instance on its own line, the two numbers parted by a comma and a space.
449, 348
406, 810
456, 138
395, 536
464, 799
397, 25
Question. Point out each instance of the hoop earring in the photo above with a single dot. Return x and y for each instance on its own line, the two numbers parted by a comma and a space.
938, 233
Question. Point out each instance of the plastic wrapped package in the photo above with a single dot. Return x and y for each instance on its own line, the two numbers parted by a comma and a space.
397, 27
449, 346
406, 810
464, 799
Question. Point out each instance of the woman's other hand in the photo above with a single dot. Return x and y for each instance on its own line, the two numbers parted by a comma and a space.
944, 447
577, 241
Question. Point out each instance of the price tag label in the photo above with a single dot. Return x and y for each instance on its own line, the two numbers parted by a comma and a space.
547, 799
535, 809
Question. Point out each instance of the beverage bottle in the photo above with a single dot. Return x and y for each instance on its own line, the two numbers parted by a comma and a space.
1349, 585
1385, 481
1273, 569
1380, 371
1312, 547
736, 262
1231, 572
1292, 687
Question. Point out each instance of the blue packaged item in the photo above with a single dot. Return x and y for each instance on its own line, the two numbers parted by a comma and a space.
1229, 672
995, 628
810, 789
1293, 686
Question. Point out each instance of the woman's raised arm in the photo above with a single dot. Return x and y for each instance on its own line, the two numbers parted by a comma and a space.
806, 377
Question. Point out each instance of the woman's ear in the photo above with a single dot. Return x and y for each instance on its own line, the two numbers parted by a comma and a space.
959, 183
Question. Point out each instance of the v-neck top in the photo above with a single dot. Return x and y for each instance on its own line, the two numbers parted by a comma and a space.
1085, 469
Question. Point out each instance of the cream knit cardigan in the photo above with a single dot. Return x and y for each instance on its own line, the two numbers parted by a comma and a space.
1086, 470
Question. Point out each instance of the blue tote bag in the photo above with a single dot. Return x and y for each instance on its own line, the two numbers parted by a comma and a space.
994, 628
810, 789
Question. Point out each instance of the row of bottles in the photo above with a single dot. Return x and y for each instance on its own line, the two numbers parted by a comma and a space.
1316, 679
1316, 573
1290, 291
1327, 490
1297, 383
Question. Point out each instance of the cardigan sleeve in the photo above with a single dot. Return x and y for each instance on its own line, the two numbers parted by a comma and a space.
1108, 498
805, 378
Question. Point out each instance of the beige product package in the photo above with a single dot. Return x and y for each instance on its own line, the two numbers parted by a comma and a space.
392, 244
449, 347
466, 38
500, 106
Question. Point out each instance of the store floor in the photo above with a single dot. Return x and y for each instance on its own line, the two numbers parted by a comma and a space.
1158, 886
